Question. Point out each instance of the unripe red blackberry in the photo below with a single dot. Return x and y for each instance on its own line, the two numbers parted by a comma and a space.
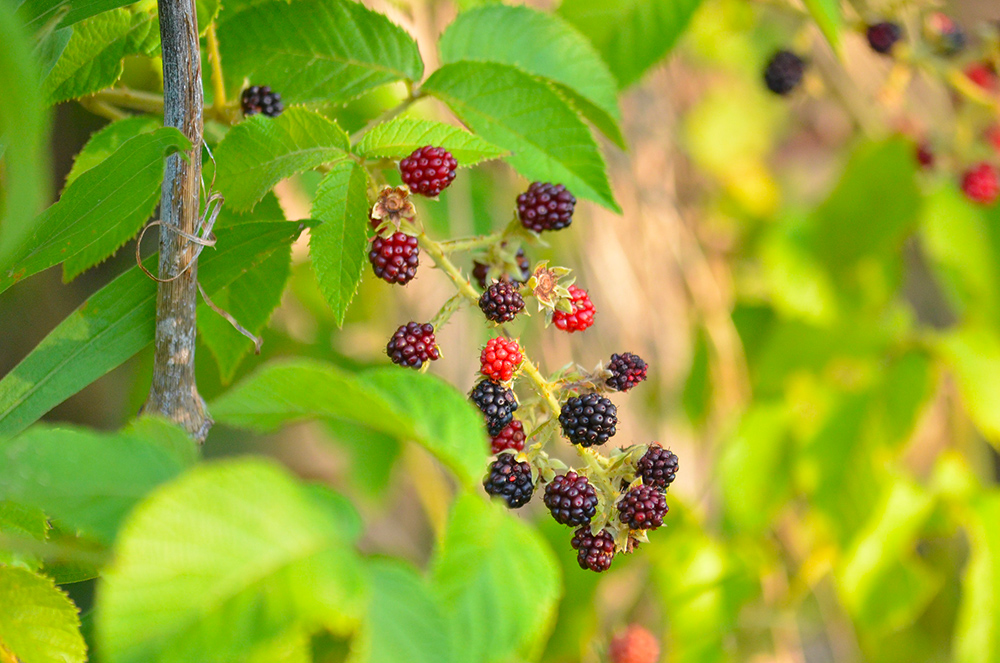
501, 302
496, 402
627, 370
509, 480
545, 206
657, 467
643, 507
883, 36
594, 551
481, 270
395, 259
412, 345
784, 72
511, 437
588, 420
429, 170
582, 316
499, 358
634, 645
260, 99
571, 499
981, 184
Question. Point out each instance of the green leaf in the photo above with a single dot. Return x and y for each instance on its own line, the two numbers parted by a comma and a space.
522, 114
339, 245
498, 581
373, 456
399, 137
541, 44
100, 210
92, 60
827, 15
406, 404
117, 322
104, 143
319, 50
38, 623
223, 560
631, 35
973, 355
977, 631
207, 11
36, 13
258, 153
18, 521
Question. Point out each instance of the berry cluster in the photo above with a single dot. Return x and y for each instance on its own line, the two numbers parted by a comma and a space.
260, 99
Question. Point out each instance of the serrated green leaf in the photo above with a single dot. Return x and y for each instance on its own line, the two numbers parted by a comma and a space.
38, 623
399, 137
225, 559
977, 631
258, 153
541, 44
498, 581
828, 16
50, 48
36, 13
92, 60
101, 210
104, 143
117, 322
319, 50
631, 35
409, 405
522, 114
338, 246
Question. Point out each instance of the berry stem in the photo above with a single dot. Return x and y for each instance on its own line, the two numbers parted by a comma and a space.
215, 61
103, 109
541, 385
470, 243
147, 102
433, 249
453, 304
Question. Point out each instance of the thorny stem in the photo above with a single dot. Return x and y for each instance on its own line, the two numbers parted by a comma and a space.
448, 267
541, 385
471, 243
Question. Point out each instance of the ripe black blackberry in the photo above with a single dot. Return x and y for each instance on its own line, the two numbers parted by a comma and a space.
784, 72
260, 99
481, 270
501, 302
588, 420
627, 370
883, 36
594, 551
412, 345
657, 467
395, 258
643, 507
571, 499
545, 206
509, 480
429, 170
496, 403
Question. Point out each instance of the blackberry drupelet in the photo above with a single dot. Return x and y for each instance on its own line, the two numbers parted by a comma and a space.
571, 499
588, 420
981, 184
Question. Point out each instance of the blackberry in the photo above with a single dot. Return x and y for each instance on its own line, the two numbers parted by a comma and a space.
582, 315
883, 36
511, 437
260, 99
925, 156
481, 270
395, 259
499, 359
784, 72
571, 499
657, 467
981, 184
497, 404
588, 420
594, 551
643, 507
627, 370
429, 170
412, 345
501, 302
545, 206
509, 480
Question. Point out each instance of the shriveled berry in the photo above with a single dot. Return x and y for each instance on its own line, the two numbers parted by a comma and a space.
413, 344
429, 170
981, 184
883, 36
594, 551
509, 480
643, 507
395, 259
499, 358
582, 316
571, 499
501, 302
481, 270
588, 420
496, 402
784, 72
511, 437
627, 370
657, 467
634, 645
545, 206
260, 99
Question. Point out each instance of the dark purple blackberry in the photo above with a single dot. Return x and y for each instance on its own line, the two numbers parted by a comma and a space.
657, 467
481, 270
429, 170
545, 206
501, 302
571, 499
594, 551
412, 345
643, 507
509, 480
588, 420
395, 259
627, 370
883, 36
784, 72
496, 403
260, 99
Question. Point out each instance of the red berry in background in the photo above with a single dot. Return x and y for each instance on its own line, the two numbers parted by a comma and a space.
545, 206
511, 437
634, 645
395, 259
412, 345
429, 170
627, 370
981, 183
925, 157
983, 75
582, 316
993, 137
499, 359
501, 302
643, 507
594, 551
883, 36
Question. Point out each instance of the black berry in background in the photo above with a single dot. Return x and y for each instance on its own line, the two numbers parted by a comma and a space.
883, 36
784, 72
481, 270
260, 99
